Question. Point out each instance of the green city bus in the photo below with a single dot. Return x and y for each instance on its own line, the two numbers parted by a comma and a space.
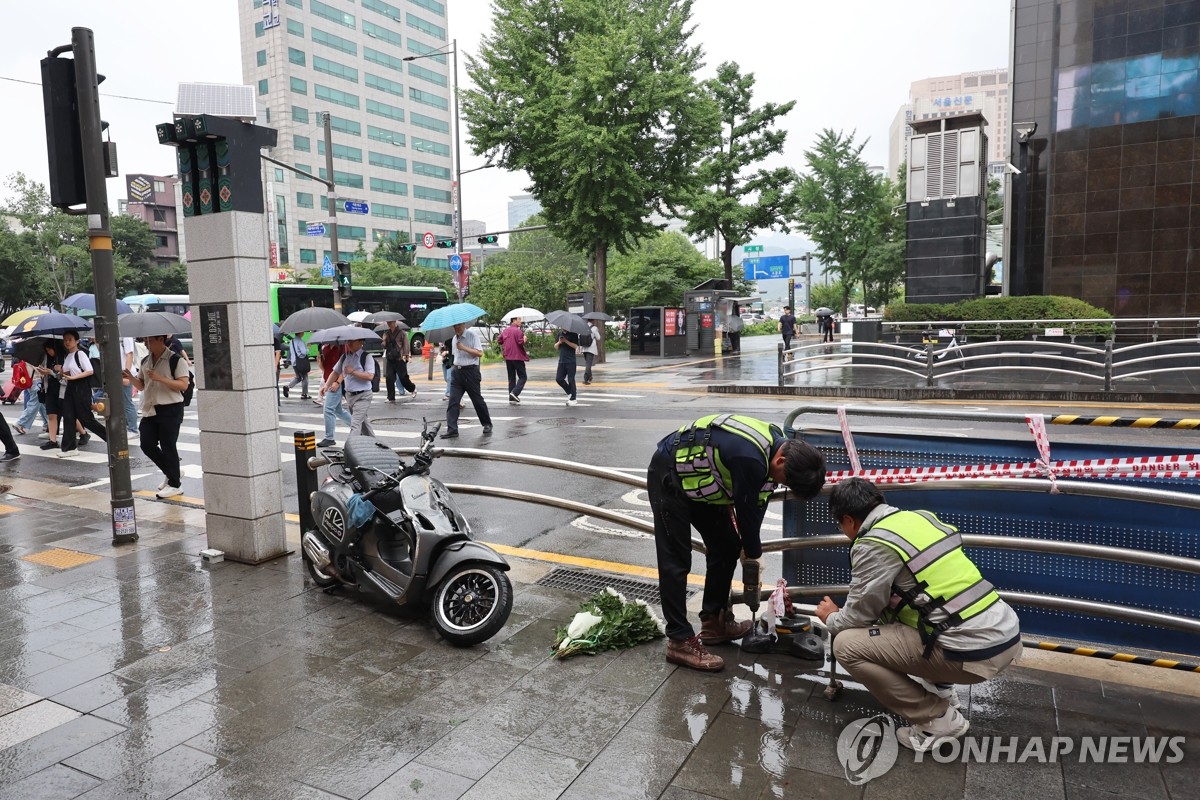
414, 302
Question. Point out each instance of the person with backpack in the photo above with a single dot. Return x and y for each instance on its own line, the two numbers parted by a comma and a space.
75, 391
358, 374
396, 353
26, 374
298, 353
331, 401
589, 345
166, 384
567, 346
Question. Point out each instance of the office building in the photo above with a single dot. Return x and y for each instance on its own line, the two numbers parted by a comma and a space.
520, 208
152, 198
392, 140
984, 92
1112, 214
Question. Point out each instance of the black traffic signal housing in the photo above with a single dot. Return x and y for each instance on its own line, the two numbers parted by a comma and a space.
411, 247
342, 276
445, 243
491, 238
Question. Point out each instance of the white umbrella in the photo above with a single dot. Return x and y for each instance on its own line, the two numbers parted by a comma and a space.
358, 316
525, 313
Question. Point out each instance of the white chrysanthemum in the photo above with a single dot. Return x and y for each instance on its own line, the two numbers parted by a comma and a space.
616, 594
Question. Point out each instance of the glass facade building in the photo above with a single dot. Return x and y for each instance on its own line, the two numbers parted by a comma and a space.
1113, 204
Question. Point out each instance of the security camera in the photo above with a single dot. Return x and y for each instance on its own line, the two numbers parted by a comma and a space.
1011, 169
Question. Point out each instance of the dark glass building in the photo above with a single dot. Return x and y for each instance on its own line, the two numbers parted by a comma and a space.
1112, 211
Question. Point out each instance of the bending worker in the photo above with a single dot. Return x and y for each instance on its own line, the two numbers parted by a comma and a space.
716, 475
919, 617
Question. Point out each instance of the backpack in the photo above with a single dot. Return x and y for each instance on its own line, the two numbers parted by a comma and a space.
586, 340
362, 364
21, 377
191, 387
394, 351
96, 379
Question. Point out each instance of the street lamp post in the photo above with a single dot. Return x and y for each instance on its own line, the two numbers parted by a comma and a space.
453, 51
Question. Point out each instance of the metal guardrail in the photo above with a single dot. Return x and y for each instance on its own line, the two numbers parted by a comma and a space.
1145, 328
306, 477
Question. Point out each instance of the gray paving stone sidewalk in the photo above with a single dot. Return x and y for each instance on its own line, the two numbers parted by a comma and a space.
146, 673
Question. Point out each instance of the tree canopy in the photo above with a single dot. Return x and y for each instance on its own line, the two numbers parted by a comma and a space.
658, 272
598, 102
735, 200
537, 270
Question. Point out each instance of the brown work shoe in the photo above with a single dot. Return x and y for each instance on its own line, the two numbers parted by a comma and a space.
692, 653
722, 627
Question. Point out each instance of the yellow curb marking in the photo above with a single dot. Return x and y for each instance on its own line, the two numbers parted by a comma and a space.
8, 509
591, 563
60, 558
194, 502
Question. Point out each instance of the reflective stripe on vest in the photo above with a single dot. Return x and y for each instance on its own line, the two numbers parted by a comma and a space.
946, 578
698, 464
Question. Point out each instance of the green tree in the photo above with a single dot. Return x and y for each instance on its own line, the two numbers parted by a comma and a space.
598, 102
538, 269
737, 200
389, 250
883, 265
840, 207
133, 239
828, 295
20, 281
658, 272
541, 248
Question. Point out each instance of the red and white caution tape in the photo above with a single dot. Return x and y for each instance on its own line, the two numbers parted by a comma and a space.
848, 438
1180, 466
1037, 427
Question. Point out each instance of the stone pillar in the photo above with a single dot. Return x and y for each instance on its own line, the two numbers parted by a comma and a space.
235, 381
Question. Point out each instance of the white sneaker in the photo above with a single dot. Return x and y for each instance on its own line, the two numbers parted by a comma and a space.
168, 491
68, 453
924, 738
572, 402
44, 434
161, 486
947, 693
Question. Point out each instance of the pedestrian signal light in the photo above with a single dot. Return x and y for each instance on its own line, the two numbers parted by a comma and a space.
491, 238
343, 279
445, 243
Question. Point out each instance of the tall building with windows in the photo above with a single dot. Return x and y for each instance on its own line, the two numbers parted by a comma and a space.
391, 119
152, 198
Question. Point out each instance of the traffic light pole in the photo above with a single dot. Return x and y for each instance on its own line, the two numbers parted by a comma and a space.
124, 517
339, 302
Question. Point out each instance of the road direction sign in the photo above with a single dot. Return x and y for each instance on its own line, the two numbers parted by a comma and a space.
315, 229
766, 267
327, 268
428, 239
455, 262
355, 207
752, 248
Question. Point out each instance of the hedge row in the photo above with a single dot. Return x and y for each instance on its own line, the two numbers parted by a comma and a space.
1003, 308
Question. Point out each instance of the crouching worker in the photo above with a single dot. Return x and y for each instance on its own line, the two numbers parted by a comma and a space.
919, 617
716, 475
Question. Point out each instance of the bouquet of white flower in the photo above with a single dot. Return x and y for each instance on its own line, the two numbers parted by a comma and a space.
607, 621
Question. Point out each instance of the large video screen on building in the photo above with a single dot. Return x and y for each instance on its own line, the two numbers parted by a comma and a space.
1129, 90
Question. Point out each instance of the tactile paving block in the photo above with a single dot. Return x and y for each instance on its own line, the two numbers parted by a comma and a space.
60, 558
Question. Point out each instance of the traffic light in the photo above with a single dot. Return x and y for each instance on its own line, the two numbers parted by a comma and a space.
343, 279
408, 248
491, 238
445, 243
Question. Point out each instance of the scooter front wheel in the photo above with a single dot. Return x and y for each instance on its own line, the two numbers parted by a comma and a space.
472, 604
319, 577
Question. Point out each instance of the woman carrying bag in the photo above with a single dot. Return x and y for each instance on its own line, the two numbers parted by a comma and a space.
298, 353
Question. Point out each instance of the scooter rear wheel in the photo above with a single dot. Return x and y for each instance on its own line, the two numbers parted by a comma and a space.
319, 578
472, 604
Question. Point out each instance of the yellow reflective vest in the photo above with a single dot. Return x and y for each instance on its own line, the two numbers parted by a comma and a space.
947, 580
702, 474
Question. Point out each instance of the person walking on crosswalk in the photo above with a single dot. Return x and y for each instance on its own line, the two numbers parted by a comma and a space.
355, 371
465, 378
162, 379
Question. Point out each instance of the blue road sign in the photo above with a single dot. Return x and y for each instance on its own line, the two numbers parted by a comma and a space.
456, 262
767, 267
315, 229
355, 207
327, 268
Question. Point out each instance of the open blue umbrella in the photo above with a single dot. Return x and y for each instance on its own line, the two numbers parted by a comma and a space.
51, 323
449, 316
86, 301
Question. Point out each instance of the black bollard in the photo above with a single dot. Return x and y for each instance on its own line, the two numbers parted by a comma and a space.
305, 443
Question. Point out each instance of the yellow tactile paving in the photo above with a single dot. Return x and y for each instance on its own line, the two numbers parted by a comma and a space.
61, 559
7, 509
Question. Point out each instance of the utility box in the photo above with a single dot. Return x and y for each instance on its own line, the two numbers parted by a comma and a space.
580, 302
704, 313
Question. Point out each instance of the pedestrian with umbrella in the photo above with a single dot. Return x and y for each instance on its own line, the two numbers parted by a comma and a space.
571, 327
465, 375
298, 355
76, 373
356, 371
825, 323
512, 344
396, 353
162, 378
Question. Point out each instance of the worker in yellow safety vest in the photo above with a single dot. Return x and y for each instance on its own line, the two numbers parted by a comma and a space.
716, 475
919, 617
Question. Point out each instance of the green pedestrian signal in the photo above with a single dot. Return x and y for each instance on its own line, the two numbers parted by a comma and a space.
342, 278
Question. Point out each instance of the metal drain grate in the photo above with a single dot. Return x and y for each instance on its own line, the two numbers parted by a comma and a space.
587, 582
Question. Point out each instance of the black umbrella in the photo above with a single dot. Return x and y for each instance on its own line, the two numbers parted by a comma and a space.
384, 316
54, 322
314, 318
597, 315
381, 327
32, 350
342, 334
572, 323
824, 312
85, 301
152, 323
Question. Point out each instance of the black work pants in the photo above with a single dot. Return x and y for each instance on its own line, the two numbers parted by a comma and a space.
6, 438
516, 376
77, 406
566, 377
674, 517
160, 438
466, 380
397, 370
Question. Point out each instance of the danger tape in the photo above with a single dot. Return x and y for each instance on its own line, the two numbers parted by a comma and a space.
1180, 466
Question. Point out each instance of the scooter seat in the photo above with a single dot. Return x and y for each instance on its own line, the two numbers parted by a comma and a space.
365, 455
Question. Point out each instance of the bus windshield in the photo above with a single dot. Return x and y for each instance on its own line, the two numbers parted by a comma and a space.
175, 303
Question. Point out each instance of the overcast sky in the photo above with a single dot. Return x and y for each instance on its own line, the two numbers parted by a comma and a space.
848, 64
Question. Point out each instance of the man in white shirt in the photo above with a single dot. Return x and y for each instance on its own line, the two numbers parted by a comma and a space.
162, 379
356, 372
76, 372
465, 378
129, 364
